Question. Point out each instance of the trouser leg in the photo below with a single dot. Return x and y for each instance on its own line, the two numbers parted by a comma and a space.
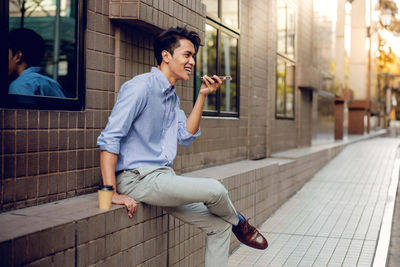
218, 231
165, 189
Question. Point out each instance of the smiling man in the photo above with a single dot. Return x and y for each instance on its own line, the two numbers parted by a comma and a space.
139, 145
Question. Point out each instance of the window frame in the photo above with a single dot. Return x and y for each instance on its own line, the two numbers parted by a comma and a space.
42, 102
234, 33
218, 20
288, 59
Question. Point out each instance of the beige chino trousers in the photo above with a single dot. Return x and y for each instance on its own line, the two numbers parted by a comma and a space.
202, 202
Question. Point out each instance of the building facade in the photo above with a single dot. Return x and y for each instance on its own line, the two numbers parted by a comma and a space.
278, 99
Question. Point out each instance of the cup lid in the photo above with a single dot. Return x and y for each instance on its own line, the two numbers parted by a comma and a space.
106, 187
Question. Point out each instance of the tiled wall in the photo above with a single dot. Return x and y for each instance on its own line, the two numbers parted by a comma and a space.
47, 155
286, 134
282, 134
76, 233
305, 118
257, 76
50, 155
305, 71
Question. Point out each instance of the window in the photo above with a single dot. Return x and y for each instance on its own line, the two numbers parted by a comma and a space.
284, 89
48, 72
285, 71
219, 55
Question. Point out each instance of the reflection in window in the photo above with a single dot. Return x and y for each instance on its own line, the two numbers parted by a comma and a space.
25, 52
285, 78
284, 89
289, 93
219, 56
286, 22
212, 7
280, 87
228, 68
290, 39
225, 12
207, 65
281, 16
230, 13
55, 22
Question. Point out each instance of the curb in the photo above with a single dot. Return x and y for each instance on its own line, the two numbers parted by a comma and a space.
382, 248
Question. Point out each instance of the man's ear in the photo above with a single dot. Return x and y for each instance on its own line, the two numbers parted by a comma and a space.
165, 56
18, 57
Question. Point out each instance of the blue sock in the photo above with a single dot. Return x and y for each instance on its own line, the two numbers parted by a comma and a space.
241, 218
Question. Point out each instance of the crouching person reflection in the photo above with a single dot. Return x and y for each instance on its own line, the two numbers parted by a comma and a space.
25, 51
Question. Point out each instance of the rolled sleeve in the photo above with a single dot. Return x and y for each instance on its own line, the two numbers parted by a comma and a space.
112, 148
185, 138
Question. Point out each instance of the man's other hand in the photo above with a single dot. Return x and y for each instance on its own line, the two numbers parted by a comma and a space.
129, 203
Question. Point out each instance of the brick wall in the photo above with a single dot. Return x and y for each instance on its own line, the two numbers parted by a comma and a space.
305, 118
282, 134
51, 155
305, 71
286, 134
258, 87
74, 232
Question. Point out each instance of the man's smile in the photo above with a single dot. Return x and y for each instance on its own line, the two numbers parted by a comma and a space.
188, 70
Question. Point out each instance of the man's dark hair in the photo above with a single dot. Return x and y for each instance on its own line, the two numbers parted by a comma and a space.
169, 40
29, 43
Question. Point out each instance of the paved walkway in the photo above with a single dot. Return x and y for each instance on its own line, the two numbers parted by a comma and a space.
336, 218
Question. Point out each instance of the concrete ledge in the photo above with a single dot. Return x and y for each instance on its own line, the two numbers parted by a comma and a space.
74, 232
304, 151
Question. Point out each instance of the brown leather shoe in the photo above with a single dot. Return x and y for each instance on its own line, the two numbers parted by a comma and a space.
249, 235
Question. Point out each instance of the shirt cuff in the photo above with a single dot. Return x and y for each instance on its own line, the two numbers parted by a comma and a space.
187, 138
110, 148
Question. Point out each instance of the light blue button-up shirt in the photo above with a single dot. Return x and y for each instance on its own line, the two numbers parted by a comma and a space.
146, 123
32, 82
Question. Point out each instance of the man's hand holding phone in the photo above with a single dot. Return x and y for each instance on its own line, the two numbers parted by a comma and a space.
222, 78
211, 84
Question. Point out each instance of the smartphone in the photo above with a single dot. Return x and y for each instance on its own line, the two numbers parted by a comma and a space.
227, 78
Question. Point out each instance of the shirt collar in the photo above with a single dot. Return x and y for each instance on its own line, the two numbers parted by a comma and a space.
31, 69
166, 87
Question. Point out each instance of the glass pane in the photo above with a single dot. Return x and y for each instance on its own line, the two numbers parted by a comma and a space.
207, 64
49, 59
228, 68
289, 90
280, 87
230, 13
212, 7
291, 32
281, 27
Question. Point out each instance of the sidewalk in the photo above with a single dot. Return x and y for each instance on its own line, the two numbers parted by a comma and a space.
336, 218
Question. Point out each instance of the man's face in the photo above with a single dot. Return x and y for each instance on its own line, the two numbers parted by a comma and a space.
181, 63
